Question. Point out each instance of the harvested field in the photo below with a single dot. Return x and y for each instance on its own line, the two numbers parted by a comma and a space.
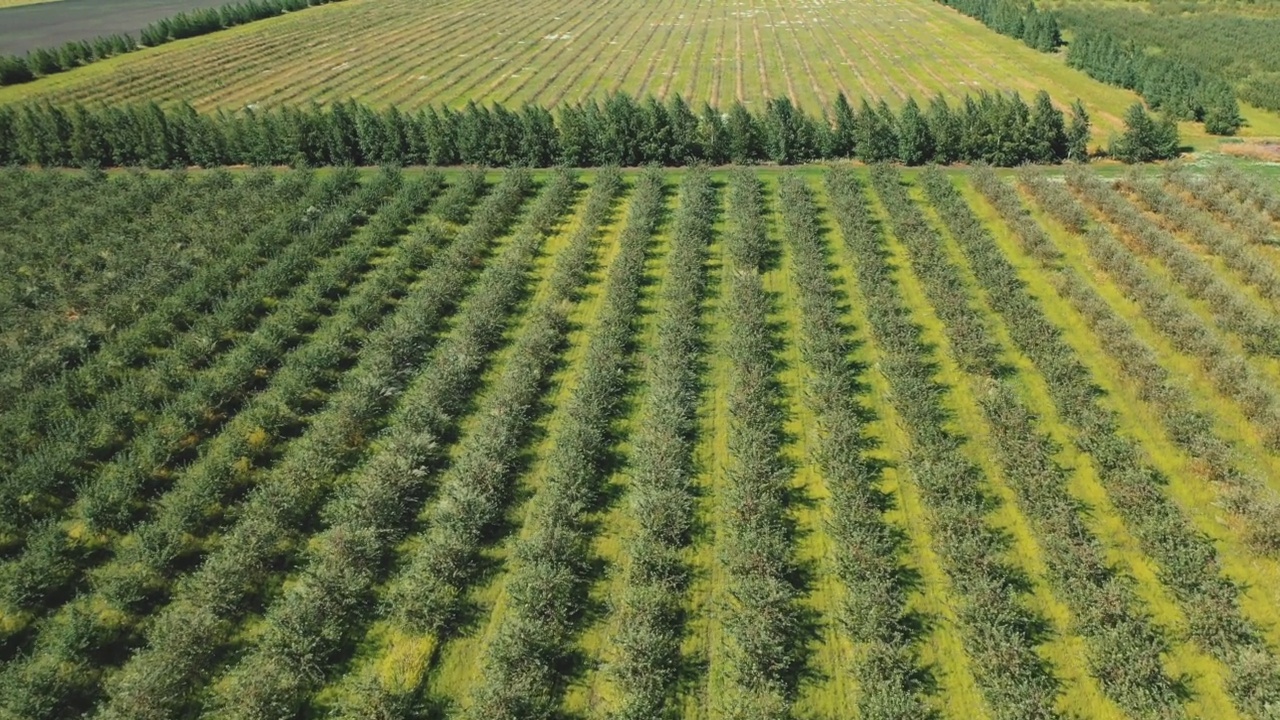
451, 52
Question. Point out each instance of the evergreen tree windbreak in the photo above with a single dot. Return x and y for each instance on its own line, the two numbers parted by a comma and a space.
991, 128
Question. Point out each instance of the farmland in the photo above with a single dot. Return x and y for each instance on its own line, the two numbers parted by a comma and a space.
401, 53
44, 23
745, 442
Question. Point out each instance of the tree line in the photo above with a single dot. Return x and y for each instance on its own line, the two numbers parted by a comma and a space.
1231, 43
1024, 21
993, 128
1167, 84
16, 69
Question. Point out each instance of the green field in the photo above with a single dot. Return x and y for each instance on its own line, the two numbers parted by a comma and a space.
823, 442
451, 52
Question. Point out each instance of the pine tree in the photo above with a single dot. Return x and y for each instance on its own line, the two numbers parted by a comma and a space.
43, 62
41, 136
441, 136
576, 148
206, 145
713, 136
1048, 134
8, 147
784, 132
1166, 142
87, 146
1219, 109
538, 144
502, 142
684, 131
1012, 126
915, 144
744, 135
1078, 132
822, 136
1145, 138
13, 71
654, 143
877, 140
845, 132
342, 146
623, 130
946, 130
473, 131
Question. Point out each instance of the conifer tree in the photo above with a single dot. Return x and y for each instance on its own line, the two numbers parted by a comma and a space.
575, 137
786, 140
1145, 138
713, 136
877, 139
8, 148
1219, 109
655, 137
13, 71
622, 131
538, 143
1048, 134
343, 150
1078, 132
845, 130
683, 148
473, 134
946, 130
442, 136
744, 136
915, 144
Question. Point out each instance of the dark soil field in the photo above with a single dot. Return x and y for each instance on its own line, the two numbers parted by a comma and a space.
27, 27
